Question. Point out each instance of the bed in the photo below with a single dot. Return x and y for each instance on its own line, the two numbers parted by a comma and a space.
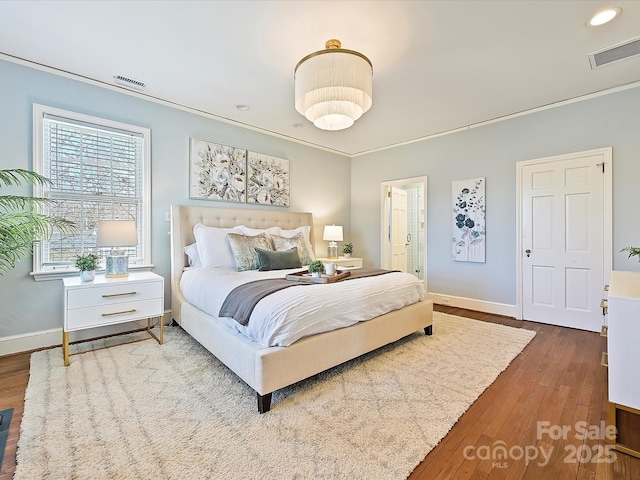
269, 368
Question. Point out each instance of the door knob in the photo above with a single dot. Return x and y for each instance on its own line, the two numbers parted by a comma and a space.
528, 252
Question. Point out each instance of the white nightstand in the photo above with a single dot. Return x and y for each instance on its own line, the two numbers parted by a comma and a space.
352, 262
108, 301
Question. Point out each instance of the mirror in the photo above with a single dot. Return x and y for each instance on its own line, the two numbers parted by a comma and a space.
403, 236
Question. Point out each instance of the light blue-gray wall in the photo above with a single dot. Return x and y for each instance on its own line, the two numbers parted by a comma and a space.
489, 151
492, 151
29, 306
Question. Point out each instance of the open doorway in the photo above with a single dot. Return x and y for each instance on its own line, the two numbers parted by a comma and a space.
404, 226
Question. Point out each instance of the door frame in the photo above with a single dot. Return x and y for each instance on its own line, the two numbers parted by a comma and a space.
384, 217
607, 192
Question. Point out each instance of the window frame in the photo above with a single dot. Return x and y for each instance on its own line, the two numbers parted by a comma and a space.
39, 112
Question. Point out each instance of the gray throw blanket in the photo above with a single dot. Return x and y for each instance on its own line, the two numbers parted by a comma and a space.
241, 301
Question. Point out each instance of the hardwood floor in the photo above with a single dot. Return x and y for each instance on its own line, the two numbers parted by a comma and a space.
557, 382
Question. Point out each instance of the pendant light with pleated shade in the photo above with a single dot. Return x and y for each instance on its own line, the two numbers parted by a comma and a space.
333, 87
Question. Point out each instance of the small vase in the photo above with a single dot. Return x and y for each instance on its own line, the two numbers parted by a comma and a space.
87, 275
347, 255
315, 274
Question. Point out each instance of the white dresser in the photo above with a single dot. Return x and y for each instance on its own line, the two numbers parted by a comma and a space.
623, 350
107, 301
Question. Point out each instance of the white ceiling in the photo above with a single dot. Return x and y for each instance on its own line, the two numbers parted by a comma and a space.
438, 65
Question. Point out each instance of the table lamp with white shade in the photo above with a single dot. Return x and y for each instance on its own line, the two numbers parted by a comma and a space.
333, 233
117, 234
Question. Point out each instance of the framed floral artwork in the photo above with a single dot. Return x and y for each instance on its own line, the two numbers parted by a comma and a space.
468, 227
216, 172
267, 180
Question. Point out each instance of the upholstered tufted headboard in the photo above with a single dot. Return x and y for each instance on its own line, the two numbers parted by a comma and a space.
184, 217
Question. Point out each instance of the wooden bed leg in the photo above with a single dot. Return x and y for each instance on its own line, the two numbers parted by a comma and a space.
264, 402
428, 330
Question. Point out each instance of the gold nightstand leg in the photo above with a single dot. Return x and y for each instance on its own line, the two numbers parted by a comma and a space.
65, 347
160, 339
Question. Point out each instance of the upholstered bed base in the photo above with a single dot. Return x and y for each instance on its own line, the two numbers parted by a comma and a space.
267, 369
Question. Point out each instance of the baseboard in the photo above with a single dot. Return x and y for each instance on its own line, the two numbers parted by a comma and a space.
53, 337
473, 304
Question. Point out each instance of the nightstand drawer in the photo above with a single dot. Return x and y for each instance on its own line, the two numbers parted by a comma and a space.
354, 263
111, 294
346, 262
109, 301
106, 314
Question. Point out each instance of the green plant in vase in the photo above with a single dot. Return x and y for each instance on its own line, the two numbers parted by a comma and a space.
347, 249
316, 268
87, 264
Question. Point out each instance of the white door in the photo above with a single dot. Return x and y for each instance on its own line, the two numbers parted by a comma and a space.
563, 238
399, 241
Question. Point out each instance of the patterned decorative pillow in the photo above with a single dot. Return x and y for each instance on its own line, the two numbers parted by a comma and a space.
283, 243
244, 250
250, 232
306, 233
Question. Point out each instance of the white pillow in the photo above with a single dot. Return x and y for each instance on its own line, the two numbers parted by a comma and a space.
213, 246
252, 232
192, 254
306, 231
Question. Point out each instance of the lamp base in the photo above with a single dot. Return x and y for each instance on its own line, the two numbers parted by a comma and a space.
332, 251
117, 264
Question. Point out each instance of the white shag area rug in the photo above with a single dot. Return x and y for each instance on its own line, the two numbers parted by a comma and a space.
145, 411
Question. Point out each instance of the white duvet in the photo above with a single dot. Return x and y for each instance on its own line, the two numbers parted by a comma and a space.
287, 315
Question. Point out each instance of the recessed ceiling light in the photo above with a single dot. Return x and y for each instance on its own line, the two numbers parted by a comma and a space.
604, 16
244, 108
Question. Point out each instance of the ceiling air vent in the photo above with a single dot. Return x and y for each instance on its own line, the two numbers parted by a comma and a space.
612, 54
129, 83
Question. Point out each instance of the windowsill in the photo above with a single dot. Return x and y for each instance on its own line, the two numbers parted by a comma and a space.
72, 272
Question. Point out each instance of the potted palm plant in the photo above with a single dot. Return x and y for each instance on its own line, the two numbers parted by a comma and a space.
21, 226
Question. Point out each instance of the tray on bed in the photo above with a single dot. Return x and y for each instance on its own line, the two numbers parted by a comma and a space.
305, 277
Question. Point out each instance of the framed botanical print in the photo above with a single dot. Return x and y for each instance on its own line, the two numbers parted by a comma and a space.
216, 172
468, 225
267, 180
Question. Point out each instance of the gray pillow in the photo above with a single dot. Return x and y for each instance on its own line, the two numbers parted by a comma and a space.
270, 260
244, 250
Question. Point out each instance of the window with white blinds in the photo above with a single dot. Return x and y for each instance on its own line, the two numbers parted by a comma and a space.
99, 170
